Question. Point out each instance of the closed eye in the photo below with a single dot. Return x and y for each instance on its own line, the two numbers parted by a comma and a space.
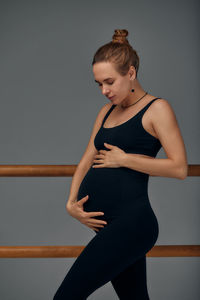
110, 83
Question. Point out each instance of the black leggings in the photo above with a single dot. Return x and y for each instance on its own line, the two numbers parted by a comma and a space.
129, 284
117, 253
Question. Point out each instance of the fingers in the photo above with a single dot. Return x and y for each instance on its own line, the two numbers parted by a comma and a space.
94, 224
93, 214
87, 216
82, 200
95, 221
94, 228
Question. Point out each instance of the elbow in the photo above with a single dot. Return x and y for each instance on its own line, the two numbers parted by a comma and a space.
183, 172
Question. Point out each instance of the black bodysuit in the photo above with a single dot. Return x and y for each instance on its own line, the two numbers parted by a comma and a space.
117, 253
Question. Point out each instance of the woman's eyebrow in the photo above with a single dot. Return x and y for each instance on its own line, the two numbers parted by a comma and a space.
103, 80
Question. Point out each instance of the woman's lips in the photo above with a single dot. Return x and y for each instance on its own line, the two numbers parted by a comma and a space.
111, 97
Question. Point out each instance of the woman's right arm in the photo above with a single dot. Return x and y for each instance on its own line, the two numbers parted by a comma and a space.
78, 176
76, 208
87, 158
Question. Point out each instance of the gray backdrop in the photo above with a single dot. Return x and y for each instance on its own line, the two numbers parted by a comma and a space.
49, 102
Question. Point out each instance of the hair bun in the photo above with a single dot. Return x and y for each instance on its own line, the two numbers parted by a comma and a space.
120, 36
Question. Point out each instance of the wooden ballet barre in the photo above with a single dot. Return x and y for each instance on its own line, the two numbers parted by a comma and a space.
74, 251
37, 170
57, 170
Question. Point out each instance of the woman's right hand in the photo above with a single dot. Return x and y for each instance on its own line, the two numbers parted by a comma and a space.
75, 209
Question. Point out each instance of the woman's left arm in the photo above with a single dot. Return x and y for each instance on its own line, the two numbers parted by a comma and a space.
166, 127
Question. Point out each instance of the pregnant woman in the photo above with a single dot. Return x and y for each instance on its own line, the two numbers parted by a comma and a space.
109, 191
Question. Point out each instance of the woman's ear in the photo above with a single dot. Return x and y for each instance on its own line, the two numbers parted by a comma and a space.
132, 72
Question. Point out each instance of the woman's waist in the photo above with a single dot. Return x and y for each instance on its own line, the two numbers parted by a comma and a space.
121, 172
115, 177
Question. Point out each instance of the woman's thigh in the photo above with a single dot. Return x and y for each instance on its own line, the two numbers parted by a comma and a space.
132, 282
111, 251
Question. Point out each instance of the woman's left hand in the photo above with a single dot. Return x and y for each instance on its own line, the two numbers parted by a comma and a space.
111, 158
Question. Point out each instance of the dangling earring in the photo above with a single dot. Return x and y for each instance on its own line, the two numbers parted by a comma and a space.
132, 90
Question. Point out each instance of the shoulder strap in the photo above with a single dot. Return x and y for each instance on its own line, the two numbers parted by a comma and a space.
107, 114
142, 110
146, 106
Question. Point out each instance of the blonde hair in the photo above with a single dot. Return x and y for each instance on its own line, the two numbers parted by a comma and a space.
119, 52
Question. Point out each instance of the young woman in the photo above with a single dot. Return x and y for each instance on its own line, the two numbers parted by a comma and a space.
109, 190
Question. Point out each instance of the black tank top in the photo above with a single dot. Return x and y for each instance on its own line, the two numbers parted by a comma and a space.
129, 136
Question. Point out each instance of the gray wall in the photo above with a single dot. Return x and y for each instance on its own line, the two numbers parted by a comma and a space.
49, 102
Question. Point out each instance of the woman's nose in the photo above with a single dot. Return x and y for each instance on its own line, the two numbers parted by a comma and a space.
105, 91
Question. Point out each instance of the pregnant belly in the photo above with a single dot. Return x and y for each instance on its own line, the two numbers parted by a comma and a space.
113, 190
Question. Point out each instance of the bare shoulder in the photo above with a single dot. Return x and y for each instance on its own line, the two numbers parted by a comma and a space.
160, 102
163, 119
162, 108
91, 151
101, 114
105, 108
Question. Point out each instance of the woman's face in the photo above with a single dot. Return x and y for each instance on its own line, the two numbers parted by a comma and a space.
111, 83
